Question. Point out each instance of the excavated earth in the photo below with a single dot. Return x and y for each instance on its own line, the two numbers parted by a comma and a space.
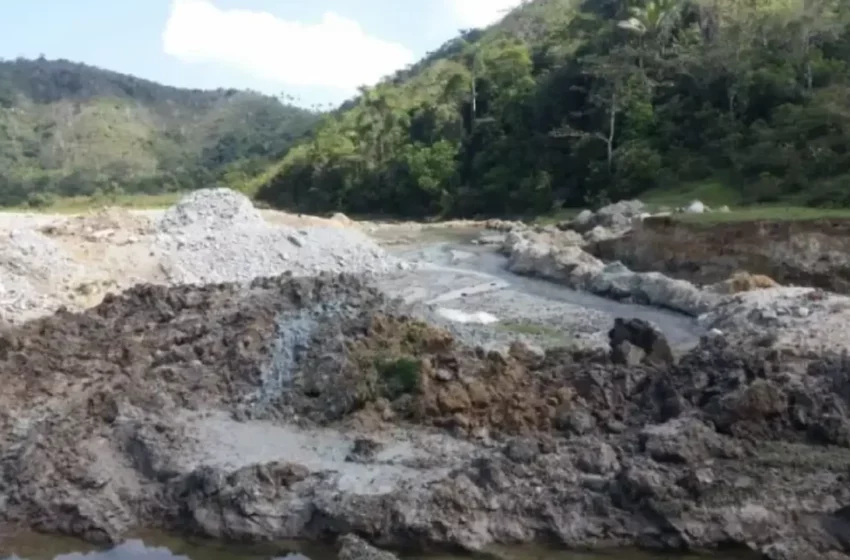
308, 408
793, 252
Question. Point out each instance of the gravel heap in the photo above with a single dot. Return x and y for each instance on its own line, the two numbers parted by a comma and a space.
210, 208
798, 320
216, 235
33, 271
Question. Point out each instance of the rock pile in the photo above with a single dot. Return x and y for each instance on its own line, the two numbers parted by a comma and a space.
209, 209
216, 235
617, 217
33, 272
797, 320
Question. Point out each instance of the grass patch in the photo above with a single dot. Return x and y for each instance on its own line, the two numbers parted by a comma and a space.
531, 329
769, 213
399, 376
560, 215
714, 193
80, 204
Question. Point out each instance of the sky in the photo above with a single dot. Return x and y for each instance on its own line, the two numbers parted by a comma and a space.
318, 51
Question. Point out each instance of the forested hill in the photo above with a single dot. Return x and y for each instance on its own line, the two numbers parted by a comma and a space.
572, 103
70, 129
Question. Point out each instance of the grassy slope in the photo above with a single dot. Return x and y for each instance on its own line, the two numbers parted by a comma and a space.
715, 194
59, 118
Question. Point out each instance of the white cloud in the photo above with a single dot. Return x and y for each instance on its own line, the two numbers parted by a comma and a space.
336, 52
480, 13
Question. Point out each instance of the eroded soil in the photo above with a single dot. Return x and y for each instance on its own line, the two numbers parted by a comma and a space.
804, 252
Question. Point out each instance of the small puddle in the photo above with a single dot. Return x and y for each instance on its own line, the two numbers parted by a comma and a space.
160, 547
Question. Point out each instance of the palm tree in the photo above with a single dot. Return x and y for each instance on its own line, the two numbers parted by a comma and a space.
653, 22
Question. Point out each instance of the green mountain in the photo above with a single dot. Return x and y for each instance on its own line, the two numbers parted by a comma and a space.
69, 129
575, 102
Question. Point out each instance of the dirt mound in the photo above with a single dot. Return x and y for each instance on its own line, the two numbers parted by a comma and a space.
104, 223
744, 282
111, 420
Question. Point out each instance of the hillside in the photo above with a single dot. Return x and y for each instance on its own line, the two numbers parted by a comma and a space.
68, 129
570, 102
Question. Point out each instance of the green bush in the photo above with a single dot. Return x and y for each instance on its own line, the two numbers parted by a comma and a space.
399, 376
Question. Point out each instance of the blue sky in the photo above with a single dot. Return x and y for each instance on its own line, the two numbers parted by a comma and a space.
317, 50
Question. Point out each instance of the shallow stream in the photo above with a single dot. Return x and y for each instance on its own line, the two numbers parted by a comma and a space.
457, 255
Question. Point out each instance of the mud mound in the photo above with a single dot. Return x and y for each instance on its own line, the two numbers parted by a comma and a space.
191, 345
395, 368
102, 224
134, 360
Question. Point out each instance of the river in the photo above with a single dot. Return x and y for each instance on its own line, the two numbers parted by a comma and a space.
456, 256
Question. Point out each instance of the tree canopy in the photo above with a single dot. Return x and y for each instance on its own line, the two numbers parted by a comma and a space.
570, 102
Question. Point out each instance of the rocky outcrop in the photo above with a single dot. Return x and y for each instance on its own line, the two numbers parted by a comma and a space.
561, 259
616, 217
313, 408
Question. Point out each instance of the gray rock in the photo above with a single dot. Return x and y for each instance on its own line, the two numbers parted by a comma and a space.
686, 440
598, 458
583, 221
629, 333
522, 450
576, 420
352, 547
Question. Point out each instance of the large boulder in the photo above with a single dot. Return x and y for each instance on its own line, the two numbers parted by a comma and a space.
680, 295
619, 216
535, 256
640, 334
584, 221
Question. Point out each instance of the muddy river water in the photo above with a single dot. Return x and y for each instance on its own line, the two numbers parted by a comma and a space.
159, 547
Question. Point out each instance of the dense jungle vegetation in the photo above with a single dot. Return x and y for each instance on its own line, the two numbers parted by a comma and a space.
570, 102
69, 129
